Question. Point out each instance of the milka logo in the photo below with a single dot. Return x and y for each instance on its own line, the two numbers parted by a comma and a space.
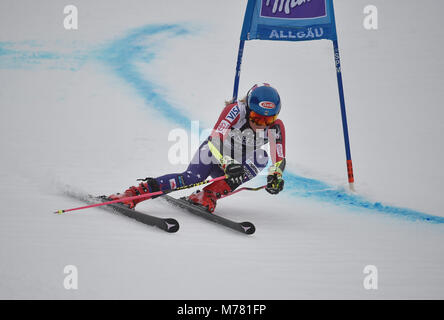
288, 4
293, 9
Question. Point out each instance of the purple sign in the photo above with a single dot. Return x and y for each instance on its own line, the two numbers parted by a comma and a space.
293, 9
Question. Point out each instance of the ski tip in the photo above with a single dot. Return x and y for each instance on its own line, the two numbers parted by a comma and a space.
248, 227
59, 211
171, 225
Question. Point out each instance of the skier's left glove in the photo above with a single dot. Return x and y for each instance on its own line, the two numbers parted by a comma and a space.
275, 183
233, 170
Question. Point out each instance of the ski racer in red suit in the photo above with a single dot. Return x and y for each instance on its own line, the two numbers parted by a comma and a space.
233, 149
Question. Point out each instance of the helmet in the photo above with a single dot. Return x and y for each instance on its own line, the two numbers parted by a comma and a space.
264, 100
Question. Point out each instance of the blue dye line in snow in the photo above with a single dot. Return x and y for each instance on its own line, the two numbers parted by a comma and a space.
140, 45
123, 53
321, 191
28, 54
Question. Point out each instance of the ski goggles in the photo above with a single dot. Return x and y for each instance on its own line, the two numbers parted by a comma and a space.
261, 120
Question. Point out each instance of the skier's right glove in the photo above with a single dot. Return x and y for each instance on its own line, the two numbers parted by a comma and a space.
233, 170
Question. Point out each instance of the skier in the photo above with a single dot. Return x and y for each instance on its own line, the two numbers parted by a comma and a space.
233, 149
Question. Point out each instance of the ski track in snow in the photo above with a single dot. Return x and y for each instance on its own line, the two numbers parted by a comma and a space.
122, 54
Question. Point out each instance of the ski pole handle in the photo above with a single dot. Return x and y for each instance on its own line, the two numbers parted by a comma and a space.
142, 196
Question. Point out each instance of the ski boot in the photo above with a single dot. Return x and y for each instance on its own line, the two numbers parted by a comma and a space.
209, 195
144, 187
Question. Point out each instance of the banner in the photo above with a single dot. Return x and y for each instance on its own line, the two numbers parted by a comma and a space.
295, 20
289, 20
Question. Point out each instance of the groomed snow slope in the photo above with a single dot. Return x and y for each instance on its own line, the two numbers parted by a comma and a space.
92, 110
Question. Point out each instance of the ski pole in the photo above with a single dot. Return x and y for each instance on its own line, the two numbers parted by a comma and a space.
244, 189
146, 195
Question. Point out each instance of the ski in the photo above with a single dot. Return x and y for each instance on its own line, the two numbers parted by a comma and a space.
167, 224
243, 227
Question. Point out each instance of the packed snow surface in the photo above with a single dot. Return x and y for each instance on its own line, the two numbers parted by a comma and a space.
96, 108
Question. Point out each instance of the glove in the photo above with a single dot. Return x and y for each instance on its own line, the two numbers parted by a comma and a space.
275, 183
233, 171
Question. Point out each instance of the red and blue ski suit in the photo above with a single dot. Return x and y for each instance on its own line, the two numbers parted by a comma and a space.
233, 137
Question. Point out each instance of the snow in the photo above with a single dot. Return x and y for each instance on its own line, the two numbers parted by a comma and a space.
92, 109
